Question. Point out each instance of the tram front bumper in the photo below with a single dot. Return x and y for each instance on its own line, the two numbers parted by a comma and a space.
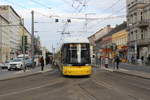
77, 70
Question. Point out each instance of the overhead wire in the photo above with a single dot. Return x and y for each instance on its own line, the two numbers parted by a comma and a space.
110, 17
112, 14
69, 4
114, 4
18, 5
41, 4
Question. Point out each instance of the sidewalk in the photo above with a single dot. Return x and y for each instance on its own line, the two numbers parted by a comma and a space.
135, 67
139, 71
16, 74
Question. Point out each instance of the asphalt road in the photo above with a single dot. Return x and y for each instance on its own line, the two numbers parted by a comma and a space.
102, 85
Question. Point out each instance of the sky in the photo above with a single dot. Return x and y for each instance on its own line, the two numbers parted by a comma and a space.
46, 11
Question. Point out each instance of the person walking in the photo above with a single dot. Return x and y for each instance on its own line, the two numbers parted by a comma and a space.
106, 62
142, 59
42, 63
117, 61
132, 60
148, 59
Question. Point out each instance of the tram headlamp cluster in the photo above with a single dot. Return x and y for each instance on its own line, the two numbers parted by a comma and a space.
69, 65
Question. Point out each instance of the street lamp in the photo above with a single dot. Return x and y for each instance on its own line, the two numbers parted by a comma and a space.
135, 44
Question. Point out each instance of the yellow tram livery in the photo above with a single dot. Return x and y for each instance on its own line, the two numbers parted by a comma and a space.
75, 57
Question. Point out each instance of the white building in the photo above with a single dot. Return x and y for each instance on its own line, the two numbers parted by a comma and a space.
4, 40
138, 18
14, 19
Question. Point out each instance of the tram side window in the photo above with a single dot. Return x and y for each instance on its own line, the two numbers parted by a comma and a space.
73, 54
65, 54
85, 54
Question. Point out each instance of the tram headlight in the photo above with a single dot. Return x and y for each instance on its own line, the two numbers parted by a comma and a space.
69, 65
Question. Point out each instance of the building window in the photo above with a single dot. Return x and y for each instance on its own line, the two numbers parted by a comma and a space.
142, 36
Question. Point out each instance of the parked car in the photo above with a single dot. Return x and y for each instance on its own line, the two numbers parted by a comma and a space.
2, 65
16, 64
29, 63
6, 64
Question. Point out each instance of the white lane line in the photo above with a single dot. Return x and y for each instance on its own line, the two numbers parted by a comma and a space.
27, 90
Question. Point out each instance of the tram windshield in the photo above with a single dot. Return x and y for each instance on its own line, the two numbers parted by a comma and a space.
76, 54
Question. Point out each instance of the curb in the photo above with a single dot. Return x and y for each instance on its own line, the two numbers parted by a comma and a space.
27, 75
139, 74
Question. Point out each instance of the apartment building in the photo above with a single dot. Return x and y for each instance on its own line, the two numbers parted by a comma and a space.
4, 39
95, 37
138, 19
120, 40
14, 28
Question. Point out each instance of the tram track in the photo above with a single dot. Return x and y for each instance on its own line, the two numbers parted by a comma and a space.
86, 93
22, 85
102, 86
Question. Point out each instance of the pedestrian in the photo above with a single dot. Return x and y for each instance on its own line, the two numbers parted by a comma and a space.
117, 61
132, 59
47, 60
39, 61
106, 62
42, 63
142, 58
148, 59
100, 61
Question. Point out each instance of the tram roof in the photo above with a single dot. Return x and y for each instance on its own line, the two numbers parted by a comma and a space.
75, 40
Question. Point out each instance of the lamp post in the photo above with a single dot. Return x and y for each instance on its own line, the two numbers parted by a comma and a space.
23, 39
135, 44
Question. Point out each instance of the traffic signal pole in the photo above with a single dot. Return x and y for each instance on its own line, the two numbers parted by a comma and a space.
32, 40
23, 47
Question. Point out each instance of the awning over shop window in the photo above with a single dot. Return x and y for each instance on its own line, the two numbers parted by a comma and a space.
107, 50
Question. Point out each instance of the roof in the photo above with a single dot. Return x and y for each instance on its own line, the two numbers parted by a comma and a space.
75, 40
11, 9
4, 18
27, 31
108, 26
116, 29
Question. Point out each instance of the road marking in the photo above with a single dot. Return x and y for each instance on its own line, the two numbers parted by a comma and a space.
30, 89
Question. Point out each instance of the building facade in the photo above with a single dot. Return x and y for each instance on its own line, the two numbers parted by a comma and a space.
114, 42
4, 40
120, 40
14, 28
95, 41
95, 37
138, 19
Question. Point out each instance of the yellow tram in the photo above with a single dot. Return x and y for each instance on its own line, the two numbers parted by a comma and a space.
75, 57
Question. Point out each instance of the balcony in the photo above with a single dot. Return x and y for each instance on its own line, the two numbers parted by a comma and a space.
142, 42
139, 42
143, 24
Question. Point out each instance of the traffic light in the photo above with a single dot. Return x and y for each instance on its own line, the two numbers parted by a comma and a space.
69, 20
25, 40
56, 20
24, 43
